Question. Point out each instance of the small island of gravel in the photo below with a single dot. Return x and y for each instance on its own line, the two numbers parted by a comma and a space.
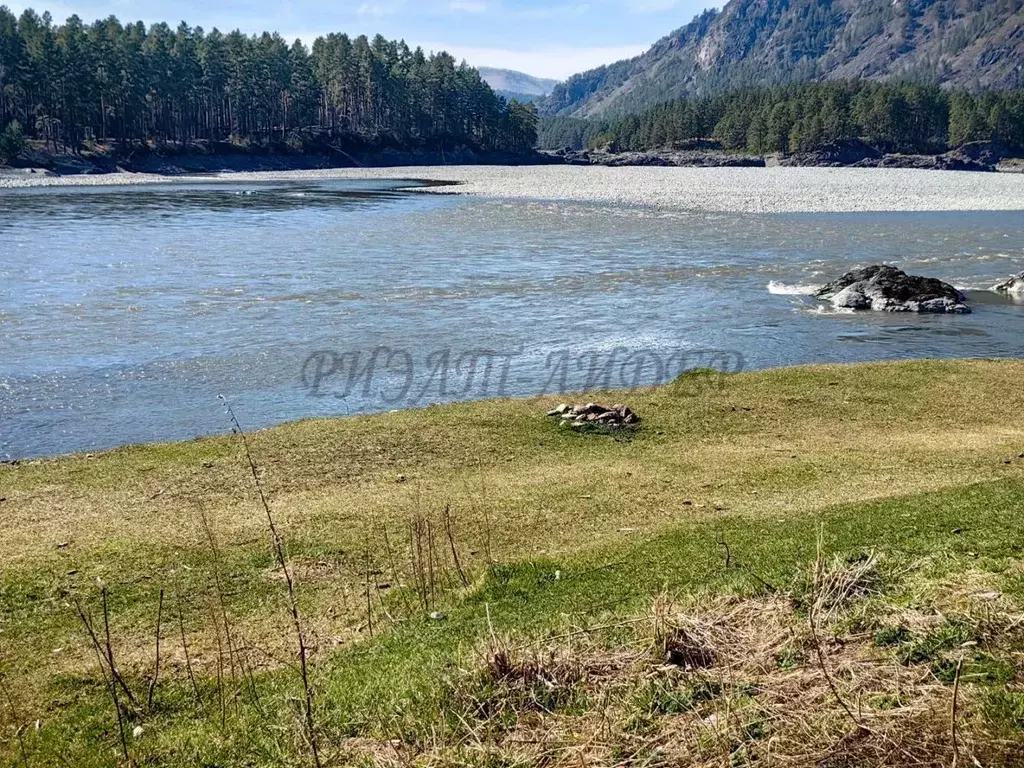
735, 190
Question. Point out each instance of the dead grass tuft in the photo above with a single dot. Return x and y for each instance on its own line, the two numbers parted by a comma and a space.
835, 582
719, 682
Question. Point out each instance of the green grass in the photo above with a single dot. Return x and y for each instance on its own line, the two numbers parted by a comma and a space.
557, 531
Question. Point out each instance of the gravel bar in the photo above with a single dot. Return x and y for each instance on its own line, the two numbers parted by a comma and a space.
739, 190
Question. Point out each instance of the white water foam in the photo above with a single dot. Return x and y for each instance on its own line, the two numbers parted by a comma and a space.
827, 309
783, 289
1016, 290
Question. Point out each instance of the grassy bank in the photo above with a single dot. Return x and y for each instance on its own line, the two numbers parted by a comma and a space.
806, 565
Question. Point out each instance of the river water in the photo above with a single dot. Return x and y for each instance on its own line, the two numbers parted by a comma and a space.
126, 312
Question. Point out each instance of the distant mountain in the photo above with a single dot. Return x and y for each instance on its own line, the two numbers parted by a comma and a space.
970, 43
516, 85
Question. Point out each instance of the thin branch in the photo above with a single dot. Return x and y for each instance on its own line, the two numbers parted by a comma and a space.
110, 651
953, 715
233, 648
220, 668
728, 553
222, 603
109, 680
156, 665
369, 601
450, 532
184, 645
19, 727
394, 567
731, 562
278, 547
820, 654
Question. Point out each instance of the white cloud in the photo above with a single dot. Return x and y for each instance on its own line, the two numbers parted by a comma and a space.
379, 8
468, 6
554, 62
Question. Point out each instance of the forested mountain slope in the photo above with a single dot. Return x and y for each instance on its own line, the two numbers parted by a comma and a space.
974, 44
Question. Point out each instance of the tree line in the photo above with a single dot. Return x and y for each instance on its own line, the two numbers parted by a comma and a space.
894, 117
126, 83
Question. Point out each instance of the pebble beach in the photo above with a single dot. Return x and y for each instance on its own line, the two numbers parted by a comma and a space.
736, 190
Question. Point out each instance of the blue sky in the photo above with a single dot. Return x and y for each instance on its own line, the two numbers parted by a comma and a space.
552, 38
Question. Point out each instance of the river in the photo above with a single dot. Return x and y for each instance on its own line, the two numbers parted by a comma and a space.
126, 312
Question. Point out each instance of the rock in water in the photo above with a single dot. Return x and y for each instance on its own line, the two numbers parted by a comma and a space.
1013, 286
887, 289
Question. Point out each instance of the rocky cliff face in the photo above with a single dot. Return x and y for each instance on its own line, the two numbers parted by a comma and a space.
968, 43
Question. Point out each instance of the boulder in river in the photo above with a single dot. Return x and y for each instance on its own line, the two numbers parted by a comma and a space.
1013, 286
888, 289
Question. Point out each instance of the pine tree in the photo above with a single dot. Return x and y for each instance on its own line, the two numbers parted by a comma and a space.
69, 83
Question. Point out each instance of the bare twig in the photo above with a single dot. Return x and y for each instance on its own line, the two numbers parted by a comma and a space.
110, 650
108, 679
369, 601
19, 726
953, 714
450, 532
394, 566
432, 579
725, 545
487, 536
156, 665
218, 588
220, 668
278, 548
384, 607
819, 653
234, 651
490, 627
731, 562
184, 645
417, 536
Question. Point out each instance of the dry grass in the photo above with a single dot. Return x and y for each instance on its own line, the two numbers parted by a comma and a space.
365, 506
773, 444
713, 681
